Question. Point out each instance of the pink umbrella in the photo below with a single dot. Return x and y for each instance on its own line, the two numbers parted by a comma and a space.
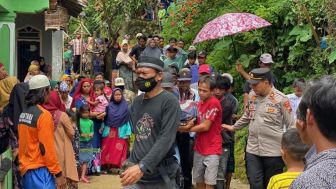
229, 24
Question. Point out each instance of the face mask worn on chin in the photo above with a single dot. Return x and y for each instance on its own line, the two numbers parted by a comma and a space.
146, 85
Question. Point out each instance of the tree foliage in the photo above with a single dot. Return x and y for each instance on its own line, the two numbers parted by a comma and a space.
295, 47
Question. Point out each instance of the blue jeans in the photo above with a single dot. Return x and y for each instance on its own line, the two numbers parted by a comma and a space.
39, 178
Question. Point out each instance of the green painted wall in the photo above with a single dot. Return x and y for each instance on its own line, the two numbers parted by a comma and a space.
5, 45
8, 182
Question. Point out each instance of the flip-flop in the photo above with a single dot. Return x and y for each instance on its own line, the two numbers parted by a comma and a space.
6, 165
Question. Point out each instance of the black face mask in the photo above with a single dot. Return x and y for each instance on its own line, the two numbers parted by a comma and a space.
146, 85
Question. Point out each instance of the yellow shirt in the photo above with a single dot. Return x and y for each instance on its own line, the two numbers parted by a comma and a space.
282, 181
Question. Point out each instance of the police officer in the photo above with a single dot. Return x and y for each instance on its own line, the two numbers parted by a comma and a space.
267, 112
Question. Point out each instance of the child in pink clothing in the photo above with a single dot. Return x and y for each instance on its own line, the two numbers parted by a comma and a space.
100, 102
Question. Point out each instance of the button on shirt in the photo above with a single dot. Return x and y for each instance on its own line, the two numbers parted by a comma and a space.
266, 117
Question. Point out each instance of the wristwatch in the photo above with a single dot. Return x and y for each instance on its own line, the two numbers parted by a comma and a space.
142, 167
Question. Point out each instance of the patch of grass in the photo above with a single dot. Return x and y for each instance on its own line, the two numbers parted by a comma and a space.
240, 170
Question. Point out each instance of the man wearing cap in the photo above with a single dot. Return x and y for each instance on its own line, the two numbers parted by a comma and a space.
138, 48
3, 72
173, 58
128, 95
155, 116
267, 113
265, 61
184, 82
37, 156
168, 83
188, 97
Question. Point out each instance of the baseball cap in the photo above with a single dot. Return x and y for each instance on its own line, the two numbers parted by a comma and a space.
227, 75
266, 58
167, 80
258, 74
204, 68
150, 62
119, 82
184, 75
138, 35
172, 49
202, 53
192, 48
38, 81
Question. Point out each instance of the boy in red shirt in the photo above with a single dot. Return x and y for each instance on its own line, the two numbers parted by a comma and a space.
208, 143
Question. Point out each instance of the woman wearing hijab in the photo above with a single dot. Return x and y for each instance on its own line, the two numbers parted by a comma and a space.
115, 144
6, 87
67, 78
32, 71
64, 93
8, 139
64, 132
126, 66
114, 51
83, 93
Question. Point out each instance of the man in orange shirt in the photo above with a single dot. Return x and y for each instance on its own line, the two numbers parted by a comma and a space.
37, 156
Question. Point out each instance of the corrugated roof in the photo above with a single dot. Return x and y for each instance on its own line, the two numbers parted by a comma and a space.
74, 7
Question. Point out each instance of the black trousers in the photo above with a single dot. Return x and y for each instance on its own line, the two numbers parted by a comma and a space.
76, 63
259, 169
185, 145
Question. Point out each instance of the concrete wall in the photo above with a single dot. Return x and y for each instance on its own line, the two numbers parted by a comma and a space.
37, 21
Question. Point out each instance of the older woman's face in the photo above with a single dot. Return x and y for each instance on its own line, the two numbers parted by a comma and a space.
99, 78
125, 47
86, 88
68, 81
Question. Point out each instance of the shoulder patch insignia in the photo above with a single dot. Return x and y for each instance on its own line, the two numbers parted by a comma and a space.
288, 106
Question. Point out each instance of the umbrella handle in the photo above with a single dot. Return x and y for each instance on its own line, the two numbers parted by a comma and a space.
234, 49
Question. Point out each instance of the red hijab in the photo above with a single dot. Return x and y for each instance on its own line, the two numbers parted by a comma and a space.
55, 106
78, 92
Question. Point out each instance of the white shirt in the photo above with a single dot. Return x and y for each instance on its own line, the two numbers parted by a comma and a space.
294, 102
68, 102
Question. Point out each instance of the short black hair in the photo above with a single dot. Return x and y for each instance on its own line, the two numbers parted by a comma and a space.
223, 82
208, 80
180, 40
36, 96
99, 73
156, 36
192, 55
292, 143
172, 39
80, 78
323, 106
299, 83
161, 37
142, 37
301, 111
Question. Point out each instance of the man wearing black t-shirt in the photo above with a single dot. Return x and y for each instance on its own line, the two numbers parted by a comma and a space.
155, 117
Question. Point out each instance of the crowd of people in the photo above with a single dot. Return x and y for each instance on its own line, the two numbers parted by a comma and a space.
166, 119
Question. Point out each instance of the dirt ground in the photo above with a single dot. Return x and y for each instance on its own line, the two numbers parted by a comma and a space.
113, 182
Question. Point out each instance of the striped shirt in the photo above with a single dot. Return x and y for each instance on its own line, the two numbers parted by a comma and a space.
282, 181
77, 45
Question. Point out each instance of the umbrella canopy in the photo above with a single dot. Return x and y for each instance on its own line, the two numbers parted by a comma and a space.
229, 24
